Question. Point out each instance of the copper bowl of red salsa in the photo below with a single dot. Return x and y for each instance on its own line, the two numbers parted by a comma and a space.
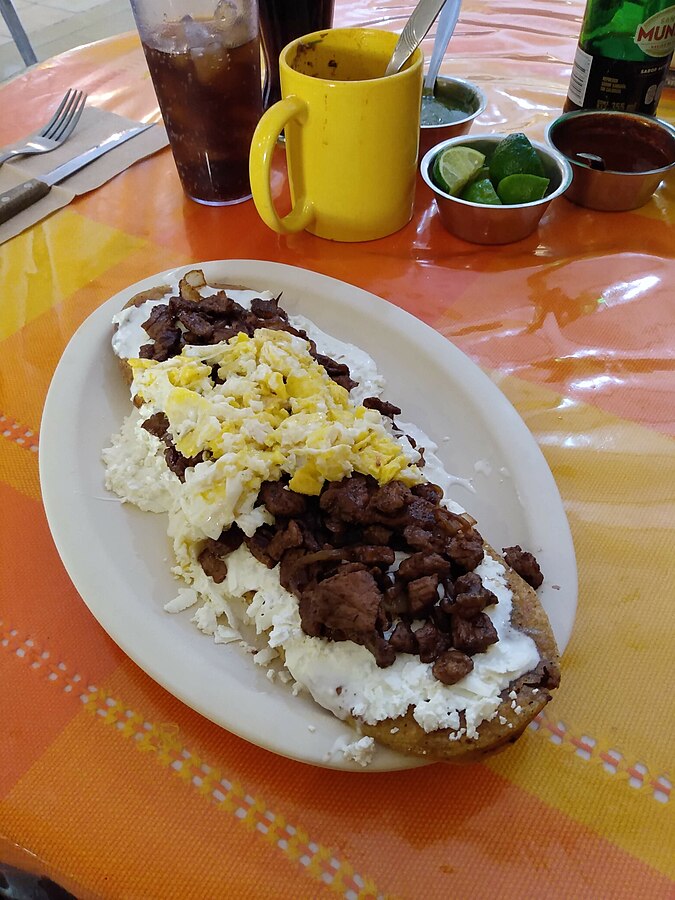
618, 159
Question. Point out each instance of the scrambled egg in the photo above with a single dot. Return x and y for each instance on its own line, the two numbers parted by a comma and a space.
276, 411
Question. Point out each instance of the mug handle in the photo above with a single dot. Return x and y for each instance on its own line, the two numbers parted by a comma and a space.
265, 137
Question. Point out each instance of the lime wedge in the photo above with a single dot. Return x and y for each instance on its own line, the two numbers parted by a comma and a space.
481, 191
514, 155
521, 188
455, 167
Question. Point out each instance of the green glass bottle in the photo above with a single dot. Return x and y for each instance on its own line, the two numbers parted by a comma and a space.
623, 55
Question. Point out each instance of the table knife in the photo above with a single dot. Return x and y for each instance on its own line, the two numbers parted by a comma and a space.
414, 32
18, 198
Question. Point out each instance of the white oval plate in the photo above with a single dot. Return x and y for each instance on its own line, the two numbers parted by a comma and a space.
118, 556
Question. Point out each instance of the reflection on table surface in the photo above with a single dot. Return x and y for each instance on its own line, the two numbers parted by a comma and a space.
112, 786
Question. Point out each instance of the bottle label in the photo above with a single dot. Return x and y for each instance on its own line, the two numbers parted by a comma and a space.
656, 36
598, 82
581, 69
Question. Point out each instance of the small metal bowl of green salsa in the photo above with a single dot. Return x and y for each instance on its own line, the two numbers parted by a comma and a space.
449, 111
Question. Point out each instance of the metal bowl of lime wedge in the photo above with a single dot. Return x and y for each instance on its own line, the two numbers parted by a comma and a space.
494, 189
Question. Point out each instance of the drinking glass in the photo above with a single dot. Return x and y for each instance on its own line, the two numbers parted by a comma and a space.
282, 21
204, 60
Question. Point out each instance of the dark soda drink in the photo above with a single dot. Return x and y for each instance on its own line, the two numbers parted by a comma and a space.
282, 21
209, 92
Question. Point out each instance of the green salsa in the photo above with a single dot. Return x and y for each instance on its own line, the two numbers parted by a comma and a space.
441, 110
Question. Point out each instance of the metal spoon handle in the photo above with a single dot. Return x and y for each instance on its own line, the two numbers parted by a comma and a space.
414, 32
447, 21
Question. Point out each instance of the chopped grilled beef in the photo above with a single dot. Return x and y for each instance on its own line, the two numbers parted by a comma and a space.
382, 406
157, 424
525, 564
473, 635
281, 501
451, 666
471, 597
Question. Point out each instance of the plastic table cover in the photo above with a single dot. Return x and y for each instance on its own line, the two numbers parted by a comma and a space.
114, 788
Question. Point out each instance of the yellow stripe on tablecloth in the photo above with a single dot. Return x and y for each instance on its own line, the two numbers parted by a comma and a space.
617, 670
585, 791
42, 266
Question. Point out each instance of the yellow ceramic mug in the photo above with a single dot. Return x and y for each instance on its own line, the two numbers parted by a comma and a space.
351, 136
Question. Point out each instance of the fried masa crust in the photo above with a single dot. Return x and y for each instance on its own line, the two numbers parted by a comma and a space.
527, 616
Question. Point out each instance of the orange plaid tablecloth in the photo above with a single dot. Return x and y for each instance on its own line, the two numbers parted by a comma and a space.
115, 788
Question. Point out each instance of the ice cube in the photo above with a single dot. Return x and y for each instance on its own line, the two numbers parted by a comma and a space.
226, 12
197, 34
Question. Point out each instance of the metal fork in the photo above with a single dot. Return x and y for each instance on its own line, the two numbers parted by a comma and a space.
56, 131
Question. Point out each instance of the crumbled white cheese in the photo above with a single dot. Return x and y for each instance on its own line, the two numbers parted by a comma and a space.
361, 751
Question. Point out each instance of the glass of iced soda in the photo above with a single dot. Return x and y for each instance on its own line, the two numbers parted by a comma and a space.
204, 60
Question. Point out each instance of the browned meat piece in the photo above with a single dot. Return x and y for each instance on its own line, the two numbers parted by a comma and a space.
292, 576
259, 543
339, 372
157, 424
420, 539
268, 309
386, 409
473, 635
229, 540
346, 602
441, 618
284, 539
471, 597
422, 594
419, 564
311, 534
452, 666
377, 534
222, 333
395, 600
466, 550
281, 501
160, 318
212, 564
384, 653
178, 463
421, 512
431, 642
402, 639
391, 498
220, 306
198, 325
428, 491
167, 337
373, 555
345, 500
168, 343
525, 564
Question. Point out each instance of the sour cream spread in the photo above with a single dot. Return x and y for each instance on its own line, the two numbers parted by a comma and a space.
341, 676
